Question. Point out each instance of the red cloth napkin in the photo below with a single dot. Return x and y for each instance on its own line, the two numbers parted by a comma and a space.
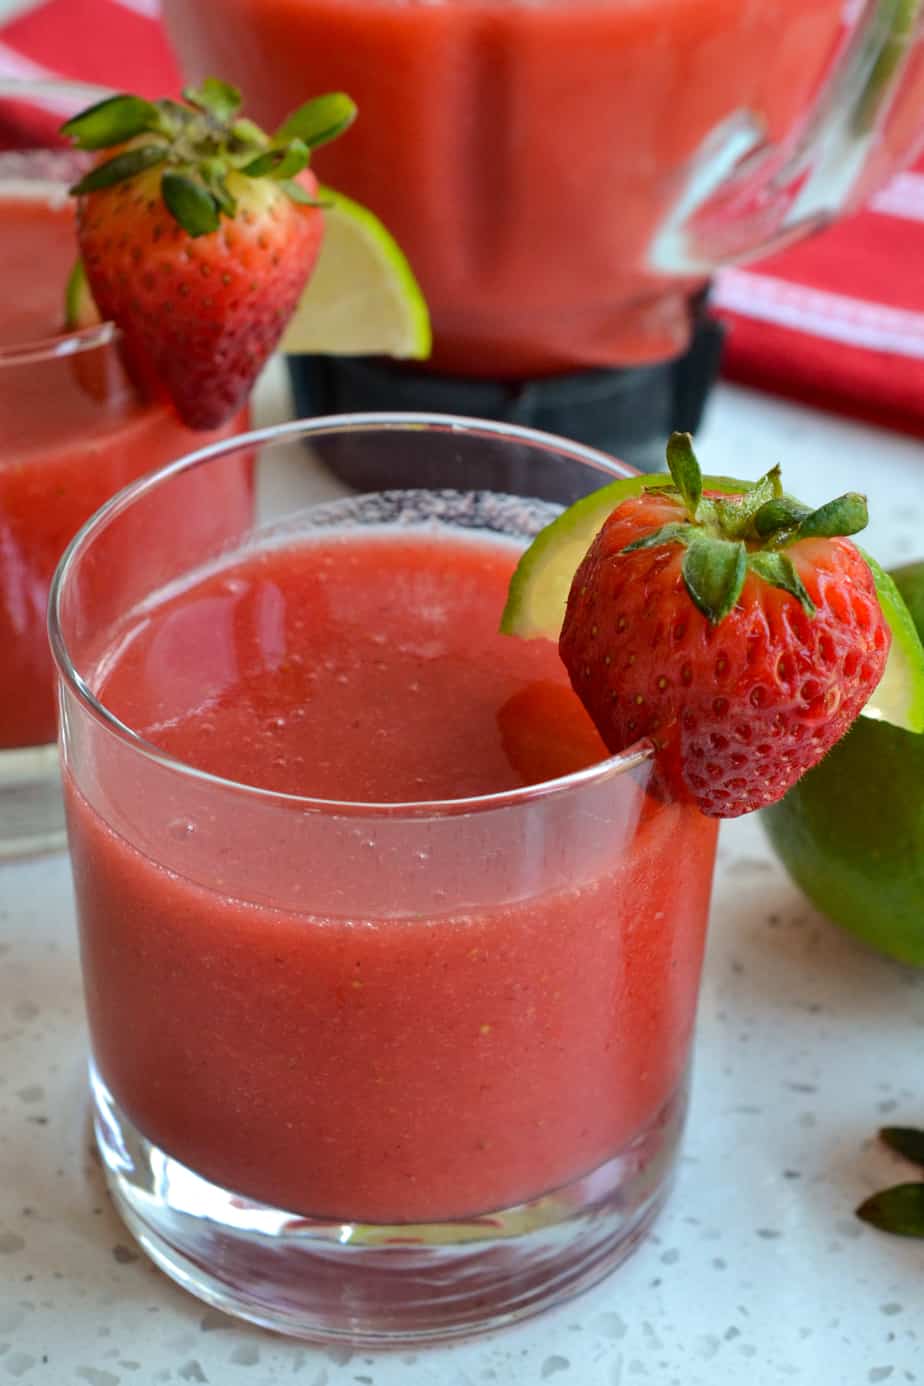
837, 321
117, 43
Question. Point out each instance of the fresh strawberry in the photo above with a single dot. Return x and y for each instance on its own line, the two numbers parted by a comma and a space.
199, 233
741, 633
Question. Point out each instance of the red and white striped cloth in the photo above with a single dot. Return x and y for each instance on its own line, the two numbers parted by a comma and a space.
113, 42
837, 321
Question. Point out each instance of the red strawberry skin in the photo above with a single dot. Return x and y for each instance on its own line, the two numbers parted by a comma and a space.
743, 708
202, 314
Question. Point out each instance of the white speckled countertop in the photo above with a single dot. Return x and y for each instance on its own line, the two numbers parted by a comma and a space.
757, 1272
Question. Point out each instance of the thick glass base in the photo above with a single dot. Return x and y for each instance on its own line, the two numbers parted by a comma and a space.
375, 1285
31, 807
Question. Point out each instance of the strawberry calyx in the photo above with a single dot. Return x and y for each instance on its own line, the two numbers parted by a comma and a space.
728, 537
199, 141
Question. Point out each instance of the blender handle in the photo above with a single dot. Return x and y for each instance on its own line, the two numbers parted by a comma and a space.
853, 106
742, 199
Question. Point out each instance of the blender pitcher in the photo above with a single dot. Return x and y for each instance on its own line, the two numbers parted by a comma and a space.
565, 175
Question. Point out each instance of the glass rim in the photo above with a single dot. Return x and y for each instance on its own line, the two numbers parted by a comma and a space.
56, 92
298, 429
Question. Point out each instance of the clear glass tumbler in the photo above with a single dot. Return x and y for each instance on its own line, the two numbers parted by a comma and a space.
74, 428
385, 1065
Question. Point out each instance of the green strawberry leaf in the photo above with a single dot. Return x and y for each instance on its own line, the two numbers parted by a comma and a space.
319, 121
249, 135
899, 1210
112, 121
666, 534
778, 569
297, 193
905, 1141
685, 471
847, 514
214, 174
778, 515
736, 517
189, 203
280, 163
714, 571
217, 98
123, 166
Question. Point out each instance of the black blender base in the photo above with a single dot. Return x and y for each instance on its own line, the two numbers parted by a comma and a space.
628, 413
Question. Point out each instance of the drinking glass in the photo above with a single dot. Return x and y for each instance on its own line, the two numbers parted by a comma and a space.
377, 1071
75, 427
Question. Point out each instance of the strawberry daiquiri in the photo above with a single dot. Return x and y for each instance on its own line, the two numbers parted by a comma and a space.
75, 429
372, 670
132, 326
380, 946
391, 969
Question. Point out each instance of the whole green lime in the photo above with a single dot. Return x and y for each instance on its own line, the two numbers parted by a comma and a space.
851, 832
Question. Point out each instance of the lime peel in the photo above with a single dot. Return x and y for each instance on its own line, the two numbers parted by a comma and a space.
538, 592
899, 695
362, 298
80, 311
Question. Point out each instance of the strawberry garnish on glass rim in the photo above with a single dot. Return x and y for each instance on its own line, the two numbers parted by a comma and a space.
738, 630
198, 233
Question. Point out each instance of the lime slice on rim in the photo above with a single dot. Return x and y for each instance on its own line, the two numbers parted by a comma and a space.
362, 299
899, 696
79, 309
538, 593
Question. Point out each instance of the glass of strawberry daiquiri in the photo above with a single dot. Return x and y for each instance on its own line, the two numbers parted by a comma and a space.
391, 968
75, 427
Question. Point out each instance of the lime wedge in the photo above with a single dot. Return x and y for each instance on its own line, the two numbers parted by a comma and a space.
362, 299
899, 697
79, 309
539, 588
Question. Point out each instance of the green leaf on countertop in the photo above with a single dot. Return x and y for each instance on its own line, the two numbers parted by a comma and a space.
899, 1210
905, 1141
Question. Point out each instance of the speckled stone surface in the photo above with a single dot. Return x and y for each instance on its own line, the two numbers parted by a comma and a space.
757, 1272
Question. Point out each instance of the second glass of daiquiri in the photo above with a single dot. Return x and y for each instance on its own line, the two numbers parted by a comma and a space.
74, 427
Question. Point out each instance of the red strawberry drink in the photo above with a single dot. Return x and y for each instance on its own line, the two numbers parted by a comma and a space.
75, 429
420, 954
127, 338
358, 1057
